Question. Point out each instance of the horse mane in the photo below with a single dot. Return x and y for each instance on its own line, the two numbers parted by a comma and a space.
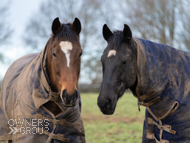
68, 33
116, 39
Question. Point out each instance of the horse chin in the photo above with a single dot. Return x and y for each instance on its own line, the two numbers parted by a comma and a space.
109, 111
68, 105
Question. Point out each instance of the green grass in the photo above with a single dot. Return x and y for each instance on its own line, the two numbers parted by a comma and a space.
124, 126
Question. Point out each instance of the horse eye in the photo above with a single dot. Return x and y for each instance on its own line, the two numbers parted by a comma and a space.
80, 54
54, 55
124, 62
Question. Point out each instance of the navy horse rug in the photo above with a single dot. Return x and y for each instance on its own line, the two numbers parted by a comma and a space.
164, 88
23, 116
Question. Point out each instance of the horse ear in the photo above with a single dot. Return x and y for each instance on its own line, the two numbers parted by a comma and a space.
76, 26
106, 32
127, 34
56, 25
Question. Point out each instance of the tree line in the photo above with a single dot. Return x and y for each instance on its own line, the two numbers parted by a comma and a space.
162, 21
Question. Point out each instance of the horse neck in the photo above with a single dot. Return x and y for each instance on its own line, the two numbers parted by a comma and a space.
133, 88
50, 70
134, 51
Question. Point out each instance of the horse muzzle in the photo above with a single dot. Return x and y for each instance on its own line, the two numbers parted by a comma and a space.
106, 106
69, 100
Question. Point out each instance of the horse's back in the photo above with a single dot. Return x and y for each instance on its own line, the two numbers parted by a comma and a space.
7, 93
164, 71
12, 74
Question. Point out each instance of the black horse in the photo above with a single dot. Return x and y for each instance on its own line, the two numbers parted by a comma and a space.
158, 76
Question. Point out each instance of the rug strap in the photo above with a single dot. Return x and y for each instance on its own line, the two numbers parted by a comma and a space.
51, 135
151, 136
166, 128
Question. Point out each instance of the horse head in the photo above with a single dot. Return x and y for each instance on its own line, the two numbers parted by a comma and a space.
63, 60
119, 62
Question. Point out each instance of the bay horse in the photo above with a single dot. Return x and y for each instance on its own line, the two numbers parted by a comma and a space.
39, 100
158, 76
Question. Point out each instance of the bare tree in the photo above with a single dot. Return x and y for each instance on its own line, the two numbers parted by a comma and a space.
38, 28
184, 23
92, 14
153, 20
5, 29
99, 13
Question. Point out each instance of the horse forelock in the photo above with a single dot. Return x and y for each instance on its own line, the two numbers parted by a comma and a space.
68, 34
115, 41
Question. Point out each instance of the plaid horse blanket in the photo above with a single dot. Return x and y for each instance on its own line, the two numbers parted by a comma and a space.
23, 118
163, 86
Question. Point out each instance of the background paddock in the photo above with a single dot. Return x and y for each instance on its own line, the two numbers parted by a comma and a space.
125, 125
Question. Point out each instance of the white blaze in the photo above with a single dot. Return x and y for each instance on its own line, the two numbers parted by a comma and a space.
111, 53
66, 47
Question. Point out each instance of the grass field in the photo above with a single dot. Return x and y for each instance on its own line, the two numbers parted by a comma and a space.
124, 126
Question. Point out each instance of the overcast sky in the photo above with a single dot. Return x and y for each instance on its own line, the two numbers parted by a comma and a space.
20, 13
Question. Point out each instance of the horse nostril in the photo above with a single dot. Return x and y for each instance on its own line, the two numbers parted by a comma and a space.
75, 95
104, 102
69, 99
108, 103
64, 95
